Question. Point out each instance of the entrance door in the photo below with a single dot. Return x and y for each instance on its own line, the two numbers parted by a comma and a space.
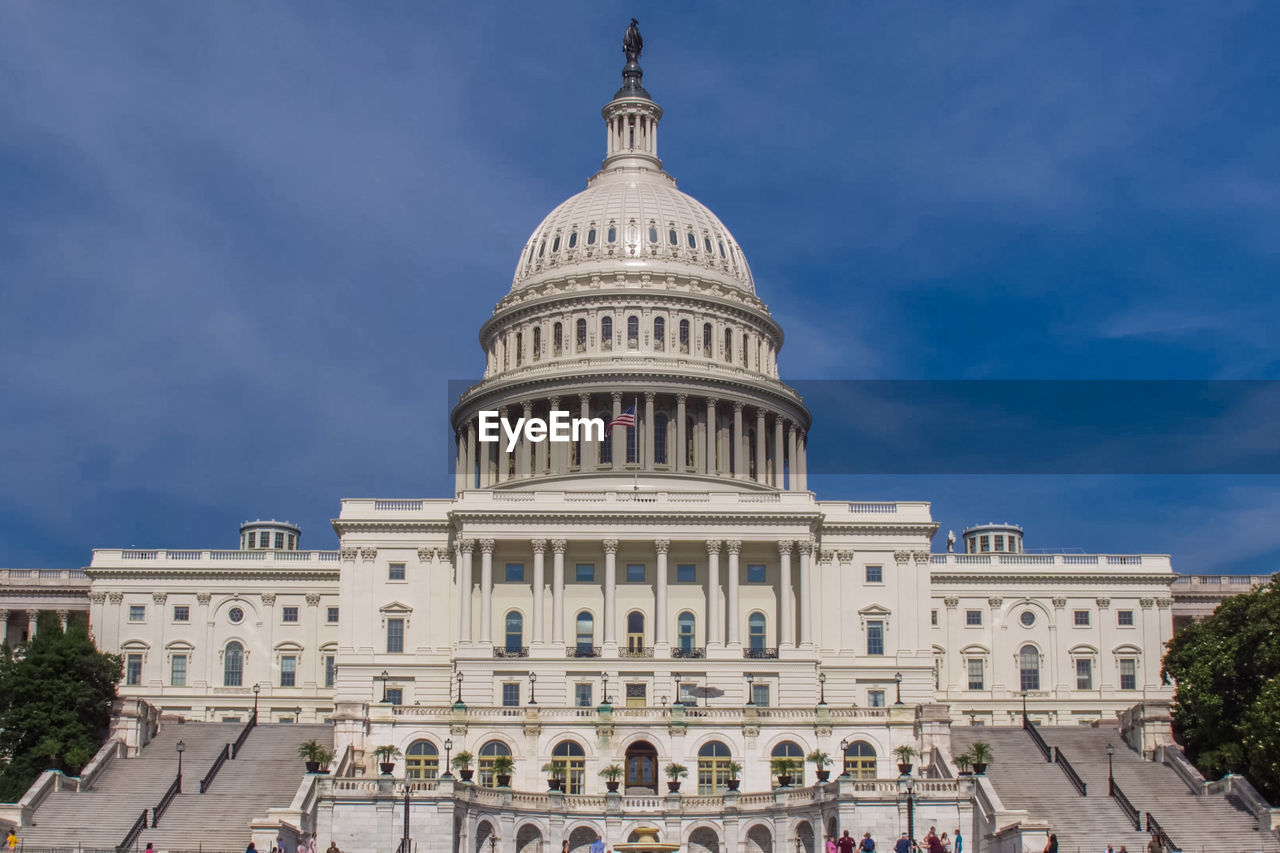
642, 767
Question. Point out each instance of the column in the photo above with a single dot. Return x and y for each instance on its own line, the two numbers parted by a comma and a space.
33, 617
504, 455
4, 626
459, 462
739, 445
646, 453
557, 590
733, 546
465, 547
806, 592
588, 449
681, 438
779, 455
524, 450
486, 591
63, 615
802, 456
709, 455
660, 596
618, 435
762, 461
794, 483
555, 449
786, 631
536, 637
714, 623
610, 592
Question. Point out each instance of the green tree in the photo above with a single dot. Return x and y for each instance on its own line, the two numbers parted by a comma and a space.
55, 705
1226, 711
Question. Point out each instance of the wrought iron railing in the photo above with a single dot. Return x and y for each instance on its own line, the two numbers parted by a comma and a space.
1125, 806
637, 652
582, 652
691, 652
169, 794
1072, 776
134, 831
217, 765
511, 652
1154, 826
760, 654
1037, 738
244, 734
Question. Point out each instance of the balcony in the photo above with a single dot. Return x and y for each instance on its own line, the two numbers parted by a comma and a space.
636, 652
511, 652
582, 651
691, 652
760, 654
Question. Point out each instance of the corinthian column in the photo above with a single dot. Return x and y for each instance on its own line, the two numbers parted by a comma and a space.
588, 448
486, 591
557, 590
618, 436
646, 453
733, 546
714, 623
610, 591
539, 548
681, 437
806, 593
779, 455
786, 630
794, 480
465, 548
709, 456
739, 445
762, 463
660, 596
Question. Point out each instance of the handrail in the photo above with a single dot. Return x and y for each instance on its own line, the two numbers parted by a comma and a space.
174, 788
1153, 825
1037, 738
217, 765
134, 831
244, 733
1061, 760
1113, 790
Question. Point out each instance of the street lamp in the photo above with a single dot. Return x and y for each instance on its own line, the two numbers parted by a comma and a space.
844, 765
181, 748
386, 676
257, 688
1024, 708
675, 680
459, 677
493, 842
822, 688
907, 785
604, 689
751, 693
897, 676
297, 714
1111, 780
973, 718
448, 758
533, 680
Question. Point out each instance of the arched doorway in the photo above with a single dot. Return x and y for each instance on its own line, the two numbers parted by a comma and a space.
642, 768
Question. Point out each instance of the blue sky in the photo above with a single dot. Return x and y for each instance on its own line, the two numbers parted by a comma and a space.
247, 245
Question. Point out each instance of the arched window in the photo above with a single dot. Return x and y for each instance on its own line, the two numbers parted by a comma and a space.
606, 333
684, 630
537, 342
728, 345
585, 633
633, 332
790, 749
755, 630
591, 237
689, 443
557, 339
745, 343
693, 241
673, 238
660, 439
653, 234
860, 760
233, 665
542, 248
573, 765
635, 632
706, 340
519, 348
555, 244
613, 234
684, 336
713, 767
606, 446
581, 335
659, 334
751, 452
573, 239
1029, 667
421, 760
515, 631
484, 763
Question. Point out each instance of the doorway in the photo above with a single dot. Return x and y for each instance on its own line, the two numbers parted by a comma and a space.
642, 768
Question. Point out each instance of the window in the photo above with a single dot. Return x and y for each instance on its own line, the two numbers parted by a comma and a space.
279, 541
537, 343
706, 340
181, 613
790, 749
395, 695
1081, 618
984, 544
557, 338
515, 631
755, 630
331, 615
1029, 667
573, 239
684, 336
555, 244
1128, 674
1027, 618
875, 637
713, 767
728, 344
330, 670
633, 332
585, 573
875, 698
582, 695
484, 764
178, 671
289, 614
421, 760
686, 573
976, 680
684, 630
1123, 617
573, 764
687, 693
653, 234
635, 572
581, 334
999, 543
250, 539
1084, 674
635, 632
395, 571
933, 617
659, 334
760, 695
755, 574
660, 439
585, 633
233, 665
133, 669
395, 635
606, 333
510, 694
673, 238
875, 574
137, 612
693, 241
515, 572
288, 671
860, 760
973, 617
236, 615
613, 234
591, 237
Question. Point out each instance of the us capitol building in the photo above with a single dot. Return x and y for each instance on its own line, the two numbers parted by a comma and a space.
674, 594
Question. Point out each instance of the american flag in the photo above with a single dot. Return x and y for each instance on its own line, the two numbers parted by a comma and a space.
626, 419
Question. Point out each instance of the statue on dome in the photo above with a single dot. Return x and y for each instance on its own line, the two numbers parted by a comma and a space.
632, 42
951, 541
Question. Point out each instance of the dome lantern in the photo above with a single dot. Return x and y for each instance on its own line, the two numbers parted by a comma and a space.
632, 117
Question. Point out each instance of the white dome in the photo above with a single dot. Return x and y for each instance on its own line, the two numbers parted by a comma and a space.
652, 224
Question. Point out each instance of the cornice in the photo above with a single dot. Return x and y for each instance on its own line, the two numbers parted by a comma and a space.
427, 527
632, 516
879, 528
1082, 578
140, 572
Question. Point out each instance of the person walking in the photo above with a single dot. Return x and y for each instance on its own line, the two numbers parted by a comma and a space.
1052, 845
830, 844
1154, 845
867, 845
11, 841
959, 842
846, 844
903, 845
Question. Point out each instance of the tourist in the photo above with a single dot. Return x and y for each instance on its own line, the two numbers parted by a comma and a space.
946, 843
959, 843
252, 848
831, 844
1052, 845
1154, 845
12, 840
903, 845
846, 844
333, 848
867, 845
932, 842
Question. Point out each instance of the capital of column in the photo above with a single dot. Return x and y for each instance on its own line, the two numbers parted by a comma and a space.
204, 597
584, 399
528, 408
662, 545
616, 396
269, 599
610, 546
554, 403
733, 546
712, 401
486, 546
559, 545
159, 597
738, 407
713, 547
63, 615
682, 397
539, 545
805, 546
466, 546
649, 396
4, 615
784, 547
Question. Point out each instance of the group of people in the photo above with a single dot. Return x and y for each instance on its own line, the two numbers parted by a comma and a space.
931, 843
306, 845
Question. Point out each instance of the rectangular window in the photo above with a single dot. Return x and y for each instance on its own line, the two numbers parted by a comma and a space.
875, 574
875, 637
1124, 617
510, 694
976, 675
984, 544
875, 698
331, 615
137, 612
330, 670
1128, 674
637, 695
1084, 674
686, 573
999, 543
755, 574
635, 572
178, 671
395, 571
760, 695
582, 695
133, 669
933, 617
1081, 618
181, 613
288, 614
585, 573
687, 693
973, 617
288, 671
279, 541
515, 572
395, 635
395, 695
252, 540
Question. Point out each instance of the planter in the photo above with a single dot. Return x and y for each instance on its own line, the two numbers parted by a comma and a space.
673, 787
504, 781
823, 775
612, 786
732, 784
553, 784
784, 781
979, 769
313, 766
387, 767
467, 774
904, 769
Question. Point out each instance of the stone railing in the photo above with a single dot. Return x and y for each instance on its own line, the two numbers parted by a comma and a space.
115, 556
1145, 560
622, 714
44, 577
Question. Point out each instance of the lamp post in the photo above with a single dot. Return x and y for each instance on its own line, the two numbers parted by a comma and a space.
493, 842
844, 766
297, 714
675, 680
533, 680
448, 758
751, 684
1111, 780
897, 677
604, 689
822, 688
404, 843
1024, 708
386, 676
257, 688
973, 718
181, 748
459, 677
907, 785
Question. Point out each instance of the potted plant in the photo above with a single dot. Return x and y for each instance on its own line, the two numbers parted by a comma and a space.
964, 761
387, 756
315, 755
820, 760
733, 781
612, 776
905, 753
783, 768
675, 772
980, 754
555, 775
502, 767
462, 763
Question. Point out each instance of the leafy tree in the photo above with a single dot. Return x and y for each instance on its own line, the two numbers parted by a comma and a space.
1226, 711
55, 704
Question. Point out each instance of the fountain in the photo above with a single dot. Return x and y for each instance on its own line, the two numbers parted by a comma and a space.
647, 842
